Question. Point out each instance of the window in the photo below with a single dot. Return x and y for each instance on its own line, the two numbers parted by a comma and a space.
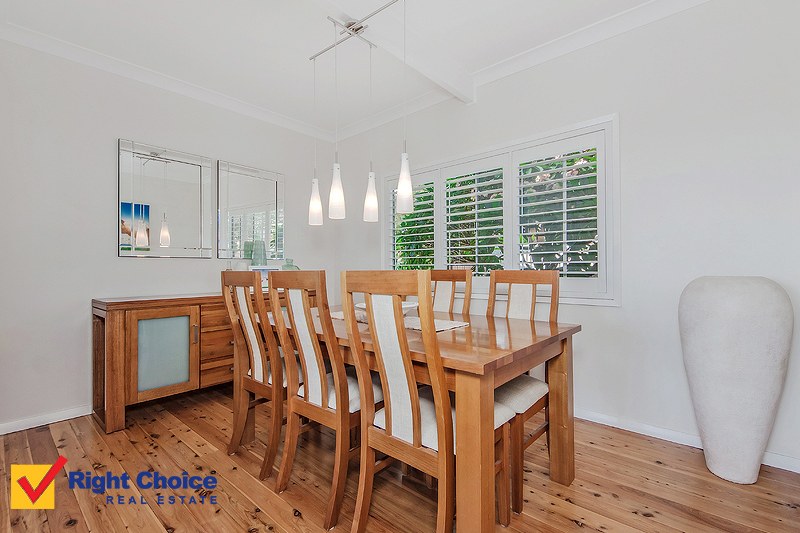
474, 223
558, 214
543, 204
413, 233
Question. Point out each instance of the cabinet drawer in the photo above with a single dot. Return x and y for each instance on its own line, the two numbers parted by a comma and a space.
216, 372
215, 344
214, 316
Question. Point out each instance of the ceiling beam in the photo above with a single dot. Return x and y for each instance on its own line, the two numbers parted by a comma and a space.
386, 32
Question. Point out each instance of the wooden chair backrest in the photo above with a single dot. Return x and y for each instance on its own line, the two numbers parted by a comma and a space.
522, 292
383, 292
255, 346
300, 331
444, 289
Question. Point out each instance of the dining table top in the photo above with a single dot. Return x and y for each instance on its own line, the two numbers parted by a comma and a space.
483, 345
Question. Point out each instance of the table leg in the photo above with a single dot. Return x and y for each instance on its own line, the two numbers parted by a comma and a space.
475, 506
561, 417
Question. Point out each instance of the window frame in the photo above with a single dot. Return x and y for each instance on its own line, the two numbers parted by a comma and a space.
603, 290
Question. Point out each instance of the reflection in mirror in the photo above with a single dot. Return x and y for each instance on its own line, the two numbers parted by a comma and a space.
250, 203
165, 203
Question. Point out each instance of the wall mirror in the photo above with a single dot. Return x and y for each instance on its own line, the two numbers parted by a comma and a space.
250, 204
165, 202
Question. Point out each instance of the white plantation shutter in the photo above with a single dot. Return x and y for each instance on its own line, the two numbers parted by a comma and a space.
474, 221
558, 214
413, 233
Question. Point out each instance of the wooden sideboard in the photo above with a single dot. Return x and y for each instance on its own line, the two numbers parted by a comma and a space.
187, 344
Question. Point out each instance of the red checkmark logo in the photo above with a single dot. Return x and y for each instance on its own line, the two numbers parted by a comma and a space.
35, 493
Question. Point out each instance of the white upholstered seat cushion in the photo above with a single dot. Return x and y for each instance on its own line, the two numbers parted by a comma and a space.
521, 393
427, 411
353, 392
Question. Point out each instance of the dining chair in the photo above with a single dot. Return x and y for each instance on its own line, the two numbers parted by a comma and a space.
257, 358
444, 289
525, 394
415, 425
329, 394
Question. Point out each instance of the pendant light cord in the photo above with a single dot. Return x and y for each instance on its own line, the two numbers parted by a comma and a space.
314, 111
336, 86
164, 185
369, 139
405, 84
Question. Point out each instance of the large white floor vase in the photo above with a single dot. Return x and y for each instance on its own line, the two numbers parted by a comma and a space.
736, 334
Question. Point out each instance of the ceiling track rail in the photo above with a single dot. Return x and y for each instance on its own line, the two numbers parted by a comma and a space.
352, 29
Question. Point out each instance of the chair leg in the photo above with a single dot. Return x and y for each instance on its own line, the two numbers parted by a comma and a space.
503, 479
366, 477
241, 403
446, 506
340, 463
274, 438
516, 449
547, 433
289, 451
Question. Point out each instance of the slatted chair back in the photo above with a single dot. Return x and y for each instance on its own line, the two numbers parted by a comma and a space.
255, 345
303, 292
522, 292
384, 292
444, 289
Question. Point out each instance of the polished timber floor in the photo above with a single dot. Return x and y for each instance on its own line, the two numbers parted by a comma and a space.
625, 482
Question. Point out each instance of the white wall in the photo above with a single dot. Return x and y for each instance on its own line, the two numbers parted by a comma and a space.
708, 112
59, 123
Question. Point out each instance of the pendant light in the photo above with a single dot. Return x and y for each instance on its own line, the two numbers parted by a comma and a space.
142, 240
371, 198
164, 238
315, 203
336, 208
405, 191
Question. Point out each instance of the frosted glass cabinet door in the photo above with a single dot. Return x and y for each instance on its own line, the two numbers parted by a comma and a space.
163, 352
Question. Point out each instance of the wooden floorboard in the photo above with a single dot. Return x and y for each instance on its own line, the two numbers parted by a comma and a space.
624, 481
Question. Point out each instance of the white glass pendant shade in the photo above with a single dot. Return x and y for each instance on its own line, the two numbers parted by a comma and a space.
164, 238
405, 191
142, 240
315, 205
371, 200
336, 199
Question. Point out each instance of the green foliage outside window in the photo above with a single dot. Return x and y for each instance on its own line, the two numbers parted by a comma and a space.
413, 232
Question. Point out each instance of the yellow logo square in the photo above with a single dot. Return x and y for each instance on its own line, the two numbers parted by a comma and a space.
34, 474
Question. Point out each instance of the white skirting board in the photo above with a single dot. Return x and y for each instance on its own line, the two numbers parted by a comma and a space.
771, 459
41, 420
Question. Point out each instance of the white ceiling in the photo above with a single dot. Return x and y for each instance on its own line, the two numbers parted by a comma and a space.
252, 55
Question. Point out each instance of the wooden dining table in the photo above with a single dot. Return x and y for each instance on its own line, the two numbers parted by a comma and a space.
478, 358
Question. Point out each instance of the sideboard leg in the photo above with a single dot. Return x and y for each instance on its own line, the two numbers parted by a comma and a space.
115, 371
